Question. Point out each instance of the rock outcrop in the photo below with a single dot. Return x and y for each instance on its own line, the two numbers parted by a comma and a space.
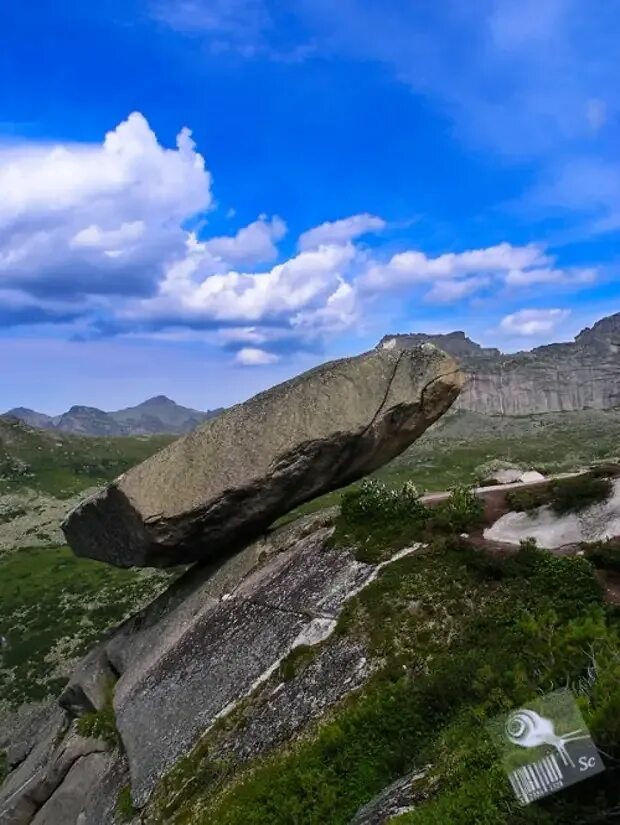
219, 635
581, 375
212, 491
597, 522
397, 799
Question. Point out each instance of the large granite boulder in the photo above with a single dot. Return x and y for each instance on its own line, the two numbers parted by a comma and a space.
214, 490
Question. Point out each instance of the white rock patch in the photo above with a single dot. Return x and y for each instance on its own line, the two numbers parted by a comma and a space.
594, 523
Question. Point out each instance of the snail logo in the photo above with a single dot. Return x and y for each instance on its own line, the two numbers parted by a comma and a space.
527, 729
538, 757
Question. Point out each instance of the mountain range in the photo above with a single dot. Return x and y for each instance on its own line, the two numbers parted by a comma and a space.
155, 416
579, 375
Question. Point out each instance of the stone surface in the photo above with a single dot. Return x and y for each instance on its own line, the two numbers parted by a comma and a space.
224, 651
214, 490
20, 794
594, 523
572, 376
216, 638
530, 476
398, 798
100, 805
66, 803
24, 732
34, 781
277, 714
507, 476
86, 689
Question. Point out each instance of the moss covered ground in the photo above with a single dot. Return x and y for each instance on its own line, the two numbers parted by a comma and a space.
461, 637
53, 608
61, 464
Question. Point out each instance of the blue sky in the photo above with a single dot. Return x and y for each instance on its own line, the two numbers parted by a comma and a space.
204, 197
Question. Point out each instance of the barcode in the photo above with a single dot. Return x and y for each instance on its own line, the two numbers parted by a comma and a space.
538, 779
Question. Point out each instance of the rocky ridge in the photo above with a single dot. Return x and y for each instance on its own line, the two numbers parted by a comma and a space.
158, 415
584, 374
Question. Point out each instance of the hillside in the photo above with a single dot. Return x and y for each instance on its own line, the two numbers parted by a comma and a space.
155, 416
61, 464
64, 604
580, 375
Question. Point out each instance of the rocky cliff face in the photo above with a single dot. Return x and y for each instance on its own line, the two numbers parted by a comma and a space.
217, 637
584, 374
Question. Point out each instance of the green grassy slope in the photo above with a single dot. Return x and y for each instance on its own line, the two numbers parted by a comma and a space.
53, 606
459, 638
61, 464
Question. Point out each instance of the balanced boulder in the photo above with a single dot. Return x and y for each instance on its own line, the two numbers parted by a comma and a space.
219, 487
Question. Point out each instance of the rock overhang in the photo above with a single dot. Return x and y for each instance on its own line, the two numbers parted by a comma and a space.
213, 491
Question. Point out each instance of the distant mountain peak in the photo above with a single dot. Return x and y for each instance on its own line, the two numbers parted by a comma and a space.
155, 416
158, 401
82, 409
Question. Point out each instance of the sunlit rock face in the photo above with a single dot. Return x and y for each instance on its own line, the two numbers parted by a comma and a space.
214, 490
584, 374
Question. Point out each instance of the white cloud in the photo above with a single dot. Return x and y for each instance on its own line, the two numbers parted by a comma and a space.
449, 291
254, 357
97, 217
303, 283
533, 321
253, 244
549, 275
96, 236
340, 232
408, 268
339, 312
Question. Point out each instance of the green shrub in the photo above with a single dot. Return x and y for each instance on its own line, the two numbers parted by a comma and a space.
603, 554
101, 724
295, 661
570, 495
606, 470
565, 495
377, 520
125, 810
528, 499
372, 501
461, 512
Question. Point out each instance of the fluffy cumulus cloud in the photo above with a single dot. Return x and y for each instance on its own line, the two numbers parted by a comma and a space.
78, 220
455, 275
304, 282
533, 321
97, 236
